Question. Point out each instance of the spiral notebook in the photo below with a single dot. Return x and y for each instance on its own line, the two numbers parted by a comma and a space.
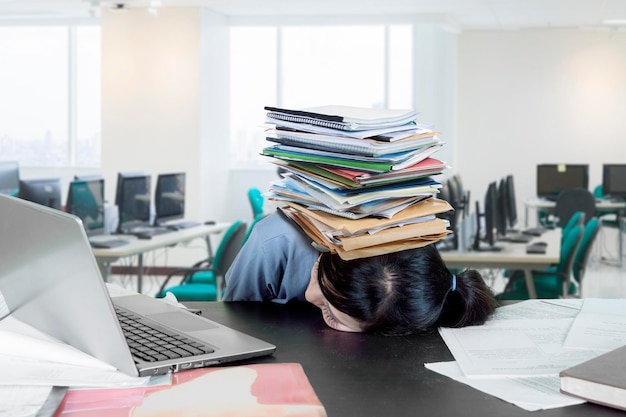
344, 117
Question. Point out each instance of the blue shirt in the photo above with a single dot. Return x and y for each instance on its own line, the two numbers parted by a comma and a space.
274, 264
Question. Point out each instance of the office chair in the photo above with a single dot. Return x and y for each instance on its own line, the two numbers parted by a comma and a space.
573, 200
256, 202
584, 251
552, 282
577, 219
612, 219
204, 280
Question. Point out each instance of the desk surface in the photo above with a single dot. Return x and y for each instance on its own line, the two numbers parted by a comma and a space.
601, 203
136, 246
365, 375
512, 255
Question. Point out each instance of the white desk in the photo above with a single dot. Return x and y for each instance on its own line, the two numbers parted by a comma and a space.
138, 247
512, 256
547, 205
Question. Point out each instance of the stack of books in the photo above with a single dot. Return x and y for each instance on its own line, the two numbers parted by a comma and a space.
358, 181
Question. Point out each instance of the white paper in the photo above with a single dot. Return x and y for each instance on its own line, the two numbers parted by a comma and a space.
529, 393
22, 401
22, 371
601, 325
539, 309
523, 347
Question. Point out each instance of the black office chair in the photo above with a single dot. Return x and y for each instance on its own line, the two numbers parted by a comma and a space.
572, 201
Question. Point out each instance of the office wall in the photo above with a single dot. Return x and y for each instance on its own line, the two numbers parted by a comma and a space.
538, 96
434, 85
161, 78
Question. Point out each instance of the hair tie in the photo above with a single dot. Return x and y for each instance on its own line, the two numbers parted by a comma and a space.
453, 282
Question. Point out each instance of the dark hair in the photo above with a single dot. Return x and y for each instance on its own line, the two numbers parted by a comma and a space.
405, 292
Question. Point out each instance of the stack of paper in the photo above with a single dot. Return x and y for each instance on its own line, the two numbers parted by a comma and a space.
358, 181
519, 353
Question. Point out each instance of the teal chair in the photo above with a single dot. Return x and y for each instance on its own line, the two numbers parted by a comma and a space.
256, 202
552, 282
204, 280
584, 251
577, 219
610, 218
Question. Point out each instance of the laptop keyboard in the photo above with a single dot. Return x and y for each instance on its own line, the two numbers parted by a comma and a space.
149, 344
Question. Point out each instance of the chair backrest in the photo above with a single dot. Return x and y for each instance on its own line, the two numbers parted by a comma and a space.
573, 200
256, 201
577, 219
584, 250
229, 247
597, 192
569, 247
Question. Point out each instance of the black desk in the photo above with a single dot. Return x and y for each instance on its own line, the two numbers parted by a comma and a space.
364, 375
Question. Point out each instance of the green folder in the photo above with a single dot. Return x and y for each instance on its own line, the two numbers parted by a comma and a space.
327, 160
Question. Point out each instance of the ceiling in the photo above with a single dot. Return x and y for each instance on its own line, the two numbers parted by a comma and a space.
464, 14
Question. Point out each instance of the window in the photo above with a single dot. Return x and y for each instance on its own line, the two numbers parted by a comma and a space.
303, 66
50, 102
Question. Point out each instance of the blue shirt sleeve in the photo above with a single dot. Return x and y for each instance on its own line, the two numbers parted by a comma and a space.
274, 265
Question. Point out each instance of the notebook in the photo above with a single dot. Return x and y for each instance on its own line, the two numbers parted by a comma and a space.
49, 278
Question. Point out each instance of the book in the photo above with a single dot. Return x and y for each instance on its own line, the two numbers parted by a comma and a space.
344, 117
277, 389
353, 146
600, 380
345, 161
388, 133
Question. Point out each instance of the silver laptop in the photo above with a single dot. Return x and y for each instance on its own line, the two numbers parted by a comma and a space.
50, 279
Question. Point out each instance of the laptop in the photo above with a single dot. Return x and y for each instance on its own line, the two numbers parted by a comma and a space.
50, 280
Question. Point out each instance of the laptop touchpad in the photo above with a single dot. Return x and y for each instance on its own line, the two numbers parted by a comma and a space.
182, 321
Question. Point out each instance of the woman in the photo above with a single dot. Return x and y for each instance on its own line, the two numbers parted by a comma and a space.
400, 293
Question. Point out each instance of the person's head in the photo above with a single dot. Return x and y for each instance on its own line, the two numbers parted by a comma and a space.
400, 293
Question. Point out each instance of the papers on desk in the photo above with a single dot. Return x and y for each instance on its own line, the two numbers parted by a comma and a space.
30, 357
35, 366
518, 354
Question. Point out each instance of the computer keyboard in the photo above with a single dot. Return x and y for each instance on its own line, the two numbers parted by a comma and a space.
518, 238
534, 231
150, 344
183, 225
536, 247
148, 232
107, 244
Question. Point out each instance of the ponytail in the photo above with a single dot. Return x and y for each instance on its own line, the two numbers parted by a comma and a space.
469, 301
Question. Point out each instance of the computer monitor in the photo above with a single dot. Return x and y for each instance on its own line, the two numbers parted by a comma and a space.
85, 199
554, 178
486, 229
9, 177
132, 198
511, 202
86, 177
502, 208
44, 191
169, 198
614, 180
